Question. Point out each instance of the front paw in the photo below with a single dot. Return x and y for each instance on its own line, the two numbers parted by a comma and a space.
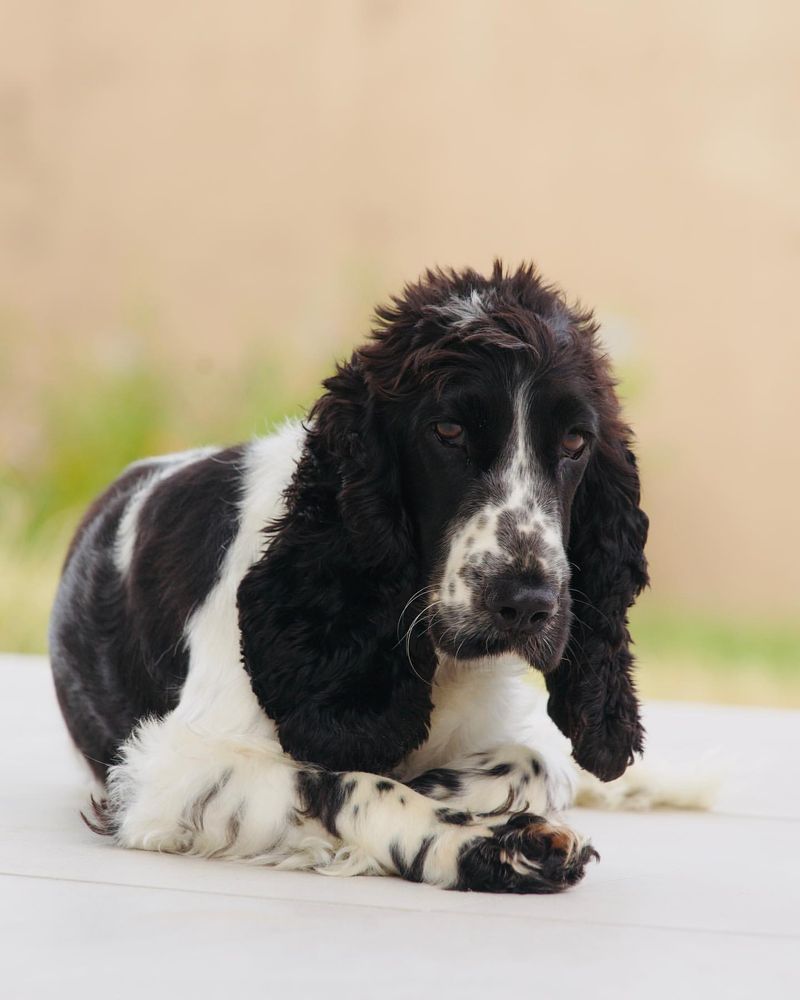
526, 854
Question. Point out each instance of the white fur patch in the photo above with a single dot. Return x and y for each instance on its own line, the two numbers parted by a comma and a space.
217, 691
470, 542
462, 310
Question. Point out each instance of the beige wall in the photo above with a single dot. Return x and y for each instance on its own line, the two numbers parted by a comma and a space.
213, 173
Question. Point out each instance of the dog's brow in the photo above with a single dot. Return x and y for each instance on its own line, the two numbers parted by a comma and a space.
565, 408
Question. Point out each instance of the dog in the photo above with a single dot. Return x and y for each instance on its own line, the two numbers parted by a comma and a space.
309, 651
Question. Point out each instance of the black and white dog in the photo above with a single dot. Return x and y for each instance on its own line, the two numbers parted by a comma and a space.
310, 650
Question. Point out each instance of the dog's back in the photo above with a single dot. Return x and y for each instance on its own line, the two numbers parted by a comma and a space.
146, 552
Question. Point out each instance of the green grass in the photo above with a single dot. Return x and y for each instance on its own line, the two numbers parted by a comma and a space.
708, 657
718, 641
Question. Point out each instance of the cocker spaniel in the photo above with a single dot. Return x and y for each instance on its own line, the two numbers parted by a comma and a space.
310, 650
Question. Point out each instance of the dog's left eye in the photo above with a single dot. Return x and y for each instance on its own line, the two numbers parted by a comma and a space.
572, 444
449, 432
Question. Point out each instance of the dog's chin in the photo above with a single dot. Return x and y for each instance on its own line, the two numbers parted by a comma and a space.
542, 652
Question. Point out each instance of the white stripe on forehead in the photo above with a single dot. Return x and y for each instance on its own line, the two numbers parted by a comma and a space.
522, 487
518, 474
461, 310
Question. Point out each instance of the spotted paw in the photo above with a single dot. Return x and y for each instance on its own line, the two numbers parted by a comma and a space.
524, 854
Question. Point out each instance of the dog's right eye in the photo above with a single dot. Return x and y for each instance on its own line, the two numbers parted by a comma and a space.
449, 432
573, 444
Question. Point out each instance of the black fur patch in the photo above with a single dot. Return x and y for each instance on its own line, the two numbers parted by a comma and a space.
439, 779
498, 771
454, 817
324, 794
411, 872
318, 613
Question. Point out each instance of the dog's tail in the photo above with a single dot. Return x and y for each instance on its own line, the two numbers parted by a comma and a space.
653, 785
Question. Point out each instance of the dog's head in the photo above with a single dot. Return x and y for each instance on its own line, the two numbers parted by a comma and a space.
480, 463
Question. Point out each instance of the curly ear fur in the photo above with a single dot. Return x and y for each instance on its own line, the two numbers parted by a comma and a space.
592, 696
318, 613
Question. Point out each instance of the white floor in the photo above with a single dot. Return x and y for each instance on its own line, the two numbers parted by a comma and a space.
686, 904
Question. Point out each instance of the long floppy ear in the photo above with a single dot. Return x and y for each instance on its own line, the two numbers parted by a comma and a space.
592, 696
318, 614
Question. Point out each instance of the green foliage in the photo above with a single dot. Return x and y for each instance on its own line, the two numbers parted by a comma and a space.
717, 641
88, 435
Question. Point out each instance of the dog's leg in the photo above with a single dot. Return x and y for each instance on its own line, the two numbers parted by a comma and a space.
508, 778
180, 790
415, 837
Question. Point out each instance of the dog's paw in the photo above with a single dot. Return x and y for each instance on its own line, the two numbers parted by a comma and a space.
524, 854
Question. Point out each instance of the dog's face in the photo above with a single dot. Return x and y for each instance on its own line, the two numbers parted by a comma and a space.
493, 461
494, 423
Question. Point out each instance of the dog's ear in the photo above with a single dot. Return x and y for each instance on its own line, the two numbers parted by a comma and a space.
318, 613
592, 696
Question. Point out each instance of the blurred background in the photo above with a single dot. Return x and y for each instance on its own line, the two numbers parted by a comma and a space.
200, 204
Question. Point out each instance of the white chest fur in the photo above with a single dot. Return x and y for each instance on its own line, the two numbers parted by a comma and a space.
477, 703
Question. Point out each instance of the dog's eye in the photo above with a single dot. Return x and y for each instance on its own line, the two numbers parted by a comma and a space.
572, 444
449, 432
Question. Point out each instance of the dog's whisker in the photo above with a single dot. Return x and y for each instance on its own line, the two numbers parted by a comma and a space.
406, 635
419, 593
408, 640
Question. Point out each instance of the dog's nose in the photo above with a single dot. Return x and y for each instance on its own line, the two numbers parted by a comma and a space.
521, 607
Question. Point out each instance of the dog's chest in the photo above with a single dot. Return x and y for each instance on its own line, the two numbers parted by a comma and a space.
476, 705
